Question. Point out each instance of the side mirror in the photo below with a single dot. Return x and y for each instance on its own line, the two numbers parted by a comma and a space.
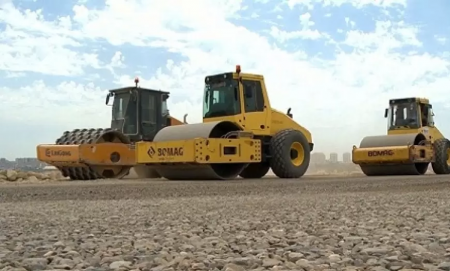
185, 118
108, 96
134, 95
289, 113
206, 96
386, 112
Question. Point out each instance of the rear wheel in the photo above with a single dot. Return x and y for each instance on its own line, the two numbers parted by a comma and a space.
255, 171
442, 156
290, 154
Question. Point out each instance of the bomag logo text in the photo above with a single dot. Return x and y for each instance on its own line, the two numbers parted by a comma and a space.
50, 153
380, 153
170, 151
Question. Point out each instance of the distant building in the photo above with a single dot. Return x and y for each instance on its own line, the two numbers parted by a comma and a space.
333, 157
347, 157
28, 162
318, 158
21, 163
6, 164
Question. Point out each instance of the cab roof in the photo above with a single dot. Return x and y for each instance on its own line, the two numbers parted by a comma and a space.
126, 89
410, 100
231, 75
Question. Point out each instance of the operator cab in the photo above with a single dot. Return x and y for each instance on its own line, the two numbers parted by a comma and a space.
238, 97
222, 95
137, 112
409, 113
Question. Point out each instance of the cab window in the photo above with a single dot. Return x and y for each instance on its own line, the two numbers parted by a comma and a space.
427, 115
254, 100
221, 99
148, 113
403, 115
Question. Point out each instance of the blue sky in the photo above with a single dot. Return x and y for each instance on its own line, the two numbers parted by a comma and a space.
336, 63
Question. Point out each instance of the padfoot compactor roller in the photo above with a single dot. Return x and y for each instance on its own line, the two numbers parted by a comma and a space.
412, 142
88, 154
241, 135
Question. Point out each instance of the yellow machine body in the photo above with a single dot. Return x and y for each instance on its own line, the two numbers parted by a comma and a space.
201, 151
241, 135
229, 142
411, 144
267, 122
393, 154
108, 159
88, 154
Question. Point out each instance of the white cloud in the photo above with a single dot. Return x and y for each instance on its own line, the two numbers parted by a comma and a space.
363, 3
356, 3
29, 43
305, 33
387, 36
254, 15
305, 20
277, 8
15, 74
343, 96
442, 40
349, 22
284, 36
72, 99
117, 60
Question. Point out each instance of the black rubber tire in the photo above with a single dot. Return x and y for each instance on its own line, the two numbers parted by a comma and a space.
255, 171
440, 165
280, 149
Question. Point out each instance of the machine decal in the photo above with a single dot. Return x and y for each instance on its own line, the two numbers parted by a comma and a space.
50, 153
170, 151
380, 153
151, 151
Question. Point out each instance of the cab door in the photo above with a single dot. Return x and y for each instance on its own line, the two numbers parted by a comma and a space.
254, 108
151, 115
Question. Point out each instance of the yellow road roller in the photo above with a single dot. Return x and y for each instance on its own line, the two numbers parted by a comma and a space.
241, 135
88, 154
411, 144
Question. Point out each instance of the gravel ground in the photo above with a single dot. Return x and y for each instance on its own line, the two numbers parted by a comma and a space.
310, 224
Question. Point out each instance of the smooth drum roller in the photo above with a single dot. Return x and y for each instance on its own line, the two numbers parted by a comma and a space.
406, 154
213, 171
